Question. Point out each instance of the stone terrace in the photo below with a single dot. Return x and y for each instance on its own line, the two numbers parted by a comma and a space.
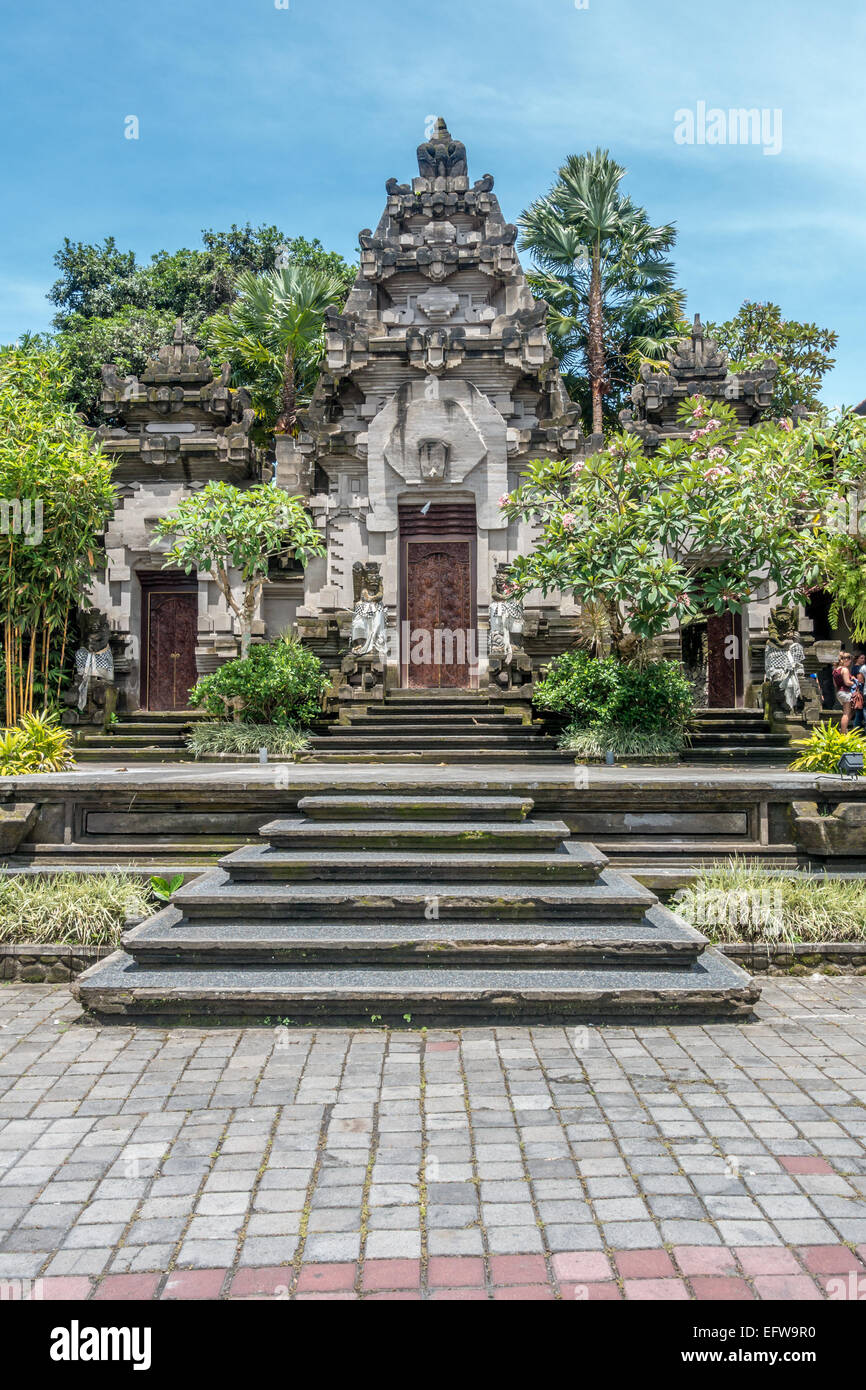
652, 1162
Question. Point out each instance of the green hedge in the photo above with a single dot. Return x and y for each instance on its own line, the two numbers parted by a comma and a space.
600, 693
279, 682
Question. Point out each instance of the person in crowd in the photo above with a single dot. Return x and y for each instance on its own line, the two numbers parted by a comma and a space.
858, 688
842, 684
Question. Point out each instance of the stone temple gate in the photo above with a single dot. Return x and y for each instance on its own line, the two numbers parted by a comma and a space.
439, 386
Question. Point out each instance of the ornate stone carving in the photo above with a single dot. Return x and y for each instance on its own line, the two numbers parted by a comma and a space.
433, 460
696, 367
438, 304
441, 157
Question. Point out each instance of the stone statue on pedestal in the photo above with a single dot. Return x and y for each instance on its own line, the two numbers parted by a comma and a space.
441, 156
508, 663
93, 698
789, 692
369, 634
506, 616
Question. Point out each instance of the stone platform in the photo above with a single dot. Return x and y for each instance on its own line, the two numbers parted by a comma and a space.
662, 824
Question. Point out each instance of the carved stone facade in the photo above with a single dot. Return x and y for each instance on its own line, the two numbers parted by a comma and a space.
171, 431
439, 385
697, 367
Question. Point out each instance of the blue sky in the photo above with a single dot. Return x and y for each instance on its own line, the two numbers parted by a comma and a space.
249, 112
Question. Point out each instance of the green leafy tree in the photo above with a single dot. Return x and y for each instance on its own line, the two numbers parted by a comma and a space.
111, 309
642, 538
128, 339
609, 285
841, 440
272, 335
229, 531
802, 352
56, 497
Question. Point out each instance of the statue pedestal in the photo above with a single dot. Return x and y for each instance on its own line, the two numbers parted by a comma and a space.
361, 680
794, 722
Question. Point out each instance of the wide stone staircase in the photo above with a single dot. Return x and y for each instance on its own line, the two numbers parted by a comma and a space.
735, 736
418, 909
144, 737
436, 727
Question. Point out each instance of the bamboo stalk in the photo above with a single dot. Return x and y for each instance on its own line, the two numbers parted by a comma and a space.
7, 653
28, 685
62, 653
46, 647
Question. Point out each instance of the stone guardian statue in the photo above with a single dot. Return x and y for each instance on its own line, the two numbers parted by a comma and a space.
369, 635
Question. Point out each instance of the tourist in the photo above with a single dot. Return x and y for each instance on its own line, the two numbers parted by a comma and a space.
858, 686
843, 686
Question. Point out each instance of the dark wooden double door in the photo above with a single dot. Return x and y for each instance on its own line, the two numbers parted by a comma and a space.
438, 638
169, 627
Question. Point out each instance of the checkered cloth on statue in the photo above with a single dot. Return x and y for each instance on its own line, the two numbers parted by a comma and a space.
89, 665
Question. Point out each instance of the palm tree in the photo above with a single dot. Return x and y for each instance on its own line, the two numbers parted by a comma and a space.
602, 269
272, 336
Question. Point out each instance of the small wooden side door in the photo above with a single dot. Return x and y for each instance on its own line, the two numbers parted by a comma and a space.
170, 623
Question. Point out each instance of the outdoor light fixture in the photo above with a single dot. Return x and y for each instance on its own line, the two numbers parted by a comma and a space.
851, 765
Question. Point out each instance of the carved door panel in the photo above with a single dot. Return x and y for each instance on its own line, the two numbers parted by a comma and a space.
724, 660
171, 625
439, 594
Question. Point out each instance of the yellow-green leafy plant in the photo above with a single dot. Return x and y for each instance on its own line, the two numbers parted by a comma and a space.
825, 746
36, 744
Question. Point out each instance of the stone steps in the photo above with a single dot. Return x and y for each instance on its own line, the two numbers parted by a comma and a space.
315, 931
482, 726
413, 807
740, 753
123, 741
412, 719
264, 863
217, 895
351, 836
710, 988
344, 753
735, 735
117, 753
658, 939
142, 736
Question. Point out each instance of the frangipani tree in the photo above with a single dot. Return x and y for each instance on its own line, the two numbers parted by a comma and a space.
644, 538
225, 529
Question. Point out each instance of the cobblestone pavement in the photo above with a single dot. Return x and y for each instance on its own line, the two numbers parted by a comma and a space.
647, 1162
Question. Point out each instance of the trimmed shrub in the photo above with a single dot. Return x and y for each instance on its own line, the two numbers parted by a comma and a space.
739, 902
613, 701
279, 683
70, 908
280, 741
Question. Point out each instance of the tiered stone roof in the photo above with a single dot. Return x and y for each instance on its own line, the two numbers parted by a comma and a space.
179, 421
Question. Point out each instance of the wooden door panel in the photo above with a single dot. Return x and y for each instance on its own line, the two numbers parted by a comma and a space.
172, 623
439, 613
724, 660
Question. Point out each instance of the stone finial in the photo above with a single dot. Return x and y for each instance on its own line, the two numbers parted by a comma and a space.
441, 156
